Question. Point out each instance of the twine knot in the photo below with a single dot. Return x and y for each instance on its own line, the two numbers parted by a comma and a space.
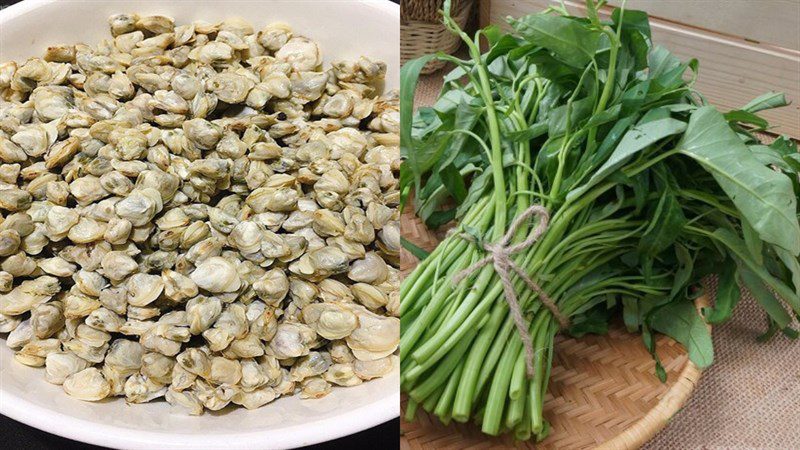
499, 255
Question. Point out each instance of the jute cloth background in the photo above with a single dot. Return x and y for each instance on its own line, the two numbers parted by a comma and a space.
749, 397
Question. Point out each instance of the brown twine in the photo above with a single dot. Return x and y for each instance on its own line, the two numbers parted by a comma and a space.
500, 257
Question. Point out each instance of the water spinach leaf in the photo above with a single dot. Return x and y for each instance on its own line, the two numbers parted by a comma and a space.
766, 198
681, 321
570, 41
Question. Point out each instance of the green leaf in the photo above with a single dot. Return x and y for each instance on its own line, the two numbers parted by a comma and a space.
650, 344
640, 48
679, 107
439, 218
499, 69
547, 65
632, 20
606, 147
630, 313
793, 161
790, 332
766, 101
603, 117
635, 140
661, 372
453, 182
769, 157
409, 74
577, 111
667, 71
754, 244
429, 199
641, 189
530, 133
661, 61
502, 46
449, 102
406, 180
418, 252
635, 34
683, 274
612, 139
772, 329
655, 114
477, 187
793, 264
591, 13
594, 321
740, 251
765, 298
454, 75
435, 144
784, 145
568, 40
742, 116
728, 295
665, 226
680, 321
634, 97
466, 116
764, 197
493, 34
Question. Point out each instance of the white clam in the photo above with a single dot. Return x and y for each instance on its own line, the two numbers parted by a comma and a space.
216, 275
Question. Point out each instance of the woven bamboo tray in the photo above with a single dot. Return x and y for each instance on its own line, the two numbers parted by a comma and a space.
603, 390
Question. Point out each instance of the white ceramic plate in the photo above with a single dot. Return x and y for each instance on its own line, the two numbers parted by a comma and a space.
343, 29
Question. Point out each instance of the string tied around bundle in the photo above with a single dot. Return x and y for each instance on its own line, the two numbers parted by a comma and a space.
499, 255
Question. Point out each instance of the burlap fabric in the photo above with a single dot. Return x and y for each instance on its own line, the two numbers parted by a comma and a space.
749, 397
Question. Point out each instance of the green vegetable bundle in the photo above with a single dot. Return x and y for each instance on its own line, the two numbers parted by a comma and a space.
648, 191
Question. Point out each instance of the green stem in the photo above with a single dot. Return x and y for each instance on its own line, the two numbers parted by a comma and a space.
609, 86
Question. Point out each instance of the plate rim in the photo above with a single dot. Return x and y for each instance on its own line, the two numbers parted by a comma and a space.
352, 421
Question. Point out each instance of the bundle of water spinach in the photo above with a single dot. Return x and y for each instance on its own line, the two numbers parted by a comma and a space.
648, 190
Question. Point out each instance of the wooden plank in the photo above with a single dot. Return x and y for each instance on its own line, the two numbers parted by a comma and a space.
732, 70
766, 21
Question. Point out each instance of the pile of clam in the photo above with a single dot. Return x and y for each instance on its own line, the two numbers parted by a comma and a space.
201, 213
